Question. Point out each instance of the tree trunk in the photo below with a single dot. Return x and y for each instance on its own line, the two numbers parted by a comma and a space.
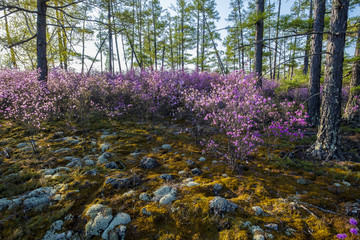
313, 106
353, 101
327, 145
306, 58
8, 39
110, 38
41, 40
259, 40
197, 38
83, 46
154, 25
276, 40
241, 37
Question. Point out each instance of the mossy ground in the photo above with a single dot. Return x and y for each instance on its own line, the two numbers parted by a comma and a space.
269, 180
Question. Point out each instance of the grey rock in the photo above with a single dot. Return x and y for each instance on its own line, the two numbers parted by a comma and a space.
122, 231
100, 217
347, 184
121, 183
190, 162
129, 193
58, 134
217, 188
225, 175
144, 197
75, 162
4, 203
149, 163
97, 208
166, 146
119, 219
257, 210
214, 162
183, 172
196, 171
192, 184
89, 162
92, 172
111, 165
105, 146
38, 197
104, 158
73, 141
167, 199
219, 205
145, 212
166, 177
51, 233
202, 159
337, 185
272, 226
290, 231
22, 145
55, 170
302, 181
61, 150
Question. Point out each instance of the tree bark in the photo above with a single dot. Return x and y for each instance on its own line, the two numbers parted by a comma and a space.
327, 145
315, 64
41, 40
276, 41
110, 38
8, 39
258, 40
306, 58
350, 115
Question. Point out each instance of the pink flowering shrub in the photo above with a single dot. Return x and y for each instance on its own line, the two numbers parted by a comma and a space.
238, 109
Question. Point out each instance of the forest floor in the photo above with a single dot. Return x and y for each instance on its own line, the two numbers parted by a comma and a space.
133, 180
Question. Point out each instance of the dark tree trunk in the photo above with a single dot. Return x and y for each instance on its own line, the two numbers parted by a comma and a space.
307, 47
327, 145
276, 40
41, 40
110, 39
259, 40
315, 64
350, 115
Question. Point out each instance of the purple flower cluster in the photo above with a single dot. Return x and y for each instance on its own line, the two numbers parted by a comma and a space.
238, 109
354, 231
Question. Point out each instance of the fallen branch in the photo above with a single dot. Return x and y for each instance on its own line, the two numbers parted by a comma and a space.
319, 208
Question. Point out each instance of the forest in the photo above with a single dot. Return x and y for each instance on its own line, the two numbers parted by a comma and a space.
125, 119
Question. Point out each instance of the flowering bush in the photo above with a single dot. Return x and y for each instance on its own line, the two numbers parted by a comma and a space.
353, 230
236, 107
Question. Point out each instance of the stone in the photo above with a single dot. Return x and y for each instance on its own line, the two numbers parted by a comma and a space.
73, 141
217, 188
183, 172
51, 233
61, 150
290, 231
100, 217
120, 183
196, 171
105, 146
103, 158
145, 212
129, 193
190, 162
214, 162
337, 185
167, 199
119, 219
166, 177
58, 134
225, 175
144, 197
111, 165
259, 234
165, 195
272, 226
149, 163
257, 210
55, 170
202, 159
4, 203
347, 184
75, 162
302, 181
166, 146
92, 172
89, 162
122, 231
38, 197
219, 205
192, 184
22, 145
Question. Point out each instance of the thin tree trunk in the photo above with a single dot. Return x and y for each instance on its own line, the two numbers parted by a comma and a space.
259, 33
8, 39
306, 59
197, 39
110, 38
83, 46
328, 145
353, 101
41, 40
313, 105
270, 61
276, 40
182, 42
124, 53
203, 42
241, 37
154, 28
